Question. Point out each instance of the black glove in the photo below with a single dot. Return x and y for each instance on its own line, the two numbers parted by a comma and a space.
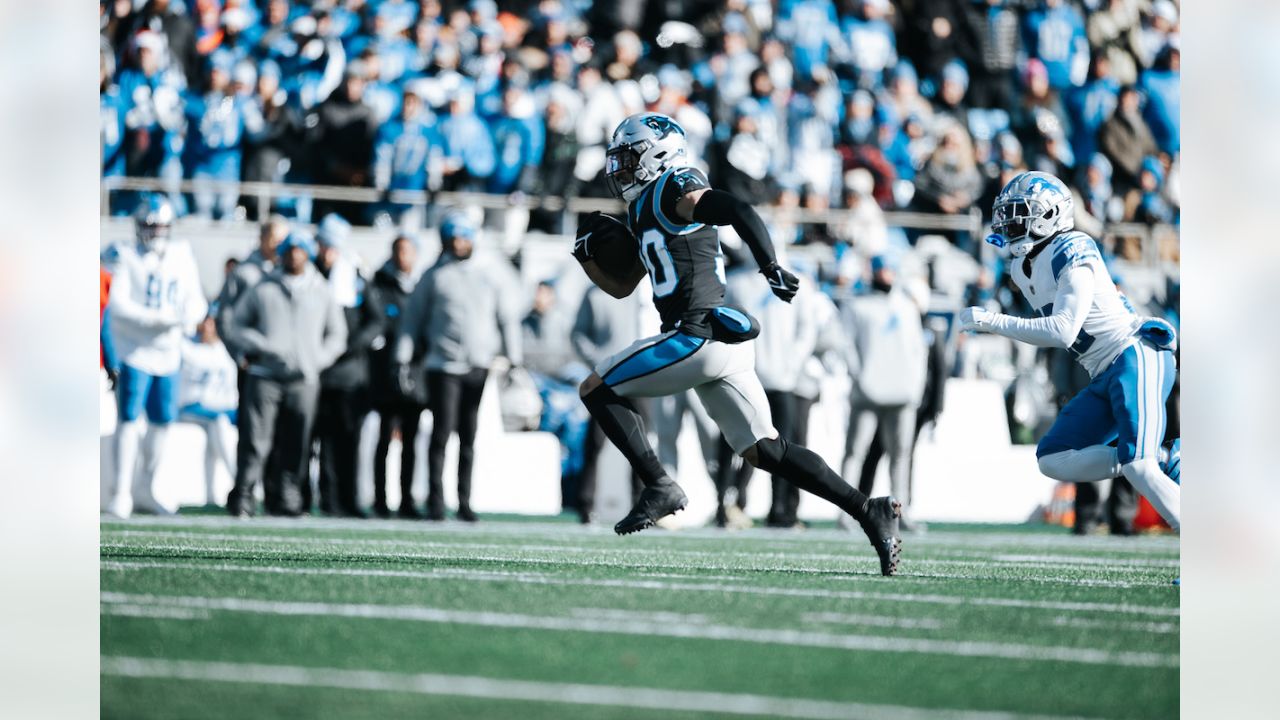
404, 380
781, 282
593, 228
582, 244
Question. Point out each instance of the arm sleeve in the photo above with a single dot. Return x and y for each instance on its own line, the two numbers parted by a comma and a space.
1060, 328
717, 207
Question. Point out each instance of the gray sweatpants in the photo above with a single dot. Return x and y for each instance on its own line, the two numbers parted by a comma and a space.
276, 415
896, 425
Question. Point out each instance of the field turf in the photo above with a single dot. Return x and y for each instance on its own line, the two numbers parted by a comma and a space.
207, 617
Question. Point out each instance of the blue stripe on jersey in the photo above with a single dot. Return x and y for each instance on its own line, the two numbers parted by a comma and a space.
670, 227
1073, 253
658, 356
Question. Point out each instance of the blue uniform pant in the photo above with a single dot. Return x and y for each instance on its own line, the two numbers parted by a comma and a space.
1125, 403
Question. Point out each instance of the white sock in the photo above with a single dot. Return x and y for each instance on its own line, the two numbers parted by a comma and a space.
1090, 464
1163, 494
128, 441
152, 445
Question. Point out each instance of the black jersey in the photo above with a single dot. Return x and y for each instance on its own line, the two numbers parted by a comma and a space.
683, 260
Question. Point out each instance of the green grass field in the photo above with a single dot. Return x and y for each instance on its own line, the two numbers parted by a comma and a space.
206, 617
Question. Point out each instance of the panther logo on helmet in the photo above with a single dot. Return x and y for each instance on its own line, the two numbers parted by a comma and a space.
643, 147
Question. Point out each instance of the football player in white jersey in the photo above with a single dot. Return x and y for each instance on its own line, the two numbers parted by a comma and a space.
1129, 358
155, 300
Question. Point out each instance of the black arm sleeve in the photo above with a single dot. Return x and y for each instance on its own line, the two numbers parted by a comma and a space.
717, 207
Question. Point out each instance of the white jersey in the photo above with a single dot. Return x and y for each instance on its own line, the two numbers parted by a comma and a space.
208, 377
155, 300
1109, 326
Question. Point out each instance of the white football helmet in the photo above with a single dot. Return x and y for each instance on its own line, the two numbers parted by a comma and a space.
643, 147
153, 219
1032, 208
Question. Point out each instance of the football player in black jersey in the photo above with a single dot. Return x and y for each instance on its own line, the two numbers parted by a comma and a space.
672, 215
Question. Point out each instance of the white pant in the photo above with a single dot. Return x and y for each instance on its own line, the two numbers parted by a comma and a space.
723, 376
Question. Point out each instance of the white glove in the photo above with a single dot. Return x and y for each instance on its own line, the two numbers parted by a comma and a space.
975, 318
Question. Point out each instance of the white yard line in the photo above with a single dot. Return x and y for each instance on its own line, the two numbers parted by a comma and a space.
154, 611
874, 621
573, 531
795, 638
1159, 628
547, 579
1033, 562
638, 698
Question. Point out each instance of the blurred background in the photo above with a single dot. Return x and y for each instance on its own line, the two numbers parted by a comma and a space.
871, 135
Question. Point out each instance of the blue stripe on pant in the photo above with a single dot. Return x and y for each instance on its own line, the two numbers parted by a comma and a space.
1125, 403
662, 354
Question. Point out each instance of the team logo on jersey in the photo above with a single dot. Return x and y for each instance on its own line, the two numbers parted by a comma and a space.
662, 126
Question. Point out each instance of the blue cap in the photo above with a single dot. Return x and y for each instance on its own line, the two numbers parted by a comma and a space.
333, 231
734, 23
904, 70
222, 60
956, 72
457, 223
883, 262
1101, 164
298, 238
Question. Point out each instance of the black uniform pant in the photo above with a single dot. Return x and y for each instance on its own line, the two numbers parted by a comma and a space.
455, 402
339, 417
406, 418
275, 419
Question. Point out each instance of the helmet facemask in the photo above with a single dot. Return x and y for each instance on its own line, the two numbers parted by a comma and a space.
623, 172
1020, 223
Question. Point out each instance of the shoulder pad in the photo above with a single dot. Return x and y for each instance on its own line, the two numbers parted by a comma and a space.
688, 179
1072, 249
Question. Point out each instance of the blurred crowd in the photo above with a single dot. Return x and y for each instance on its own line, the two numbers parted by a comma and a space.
940, 100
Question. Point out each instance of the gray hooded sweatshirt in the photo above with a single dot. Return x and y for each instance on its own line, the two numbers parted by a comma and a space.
462, 313
289, 327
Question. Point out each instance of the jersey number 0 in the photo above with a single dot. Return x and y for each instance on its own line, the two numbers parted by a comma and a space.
657, 259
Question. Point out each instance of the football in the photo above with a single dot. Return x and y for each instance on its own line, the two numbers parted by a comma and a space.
612, 245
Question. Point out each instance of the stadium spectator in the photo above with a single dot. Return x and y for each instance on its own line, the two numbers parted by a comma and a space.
991, 44
290, 329
461, 313
219, 121
1126, 140
398, 411
871, 42
1056, 37
950, 181
1113, 31
277, 148
178, 30
405, 151
1160, 85
344, 386
207, 398
888, 364
469, 157
345, 128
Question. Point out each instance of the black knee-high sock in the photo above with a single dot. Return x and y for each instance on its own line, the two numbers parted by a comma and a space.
624, 427
803, 468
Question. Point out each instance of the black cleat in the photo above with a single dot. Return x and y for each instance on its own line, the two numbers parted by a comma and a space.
880, 522
655, 503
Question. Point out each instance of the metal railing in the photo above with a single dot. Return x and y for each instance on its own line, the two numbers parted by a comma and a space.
265, 193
